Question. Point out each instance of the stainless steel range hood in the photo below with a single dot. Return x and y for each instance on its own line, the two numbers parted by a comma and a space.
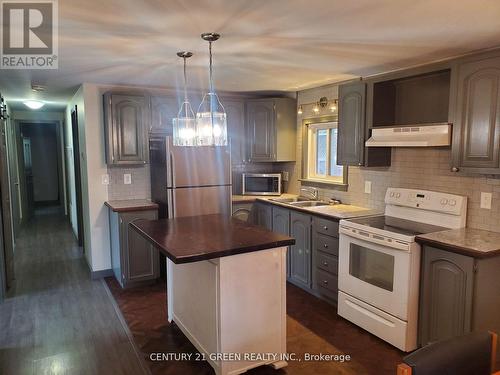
421, 135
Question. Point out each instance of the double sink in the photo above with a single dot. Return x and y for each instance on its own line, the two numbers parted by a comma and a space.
300, 202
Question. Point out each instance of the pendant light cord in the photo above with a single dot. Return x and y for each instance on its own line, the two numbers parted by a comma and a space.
185, 88
210, 65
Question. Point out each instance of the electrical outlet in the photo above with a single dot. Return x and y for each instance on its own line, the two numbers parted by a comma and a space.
105, 179
285, 176
486, 200
368, 187
127, 178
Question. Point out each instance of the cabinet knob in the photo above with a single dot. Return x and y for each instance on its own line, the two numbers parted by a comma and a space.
455, 169
325, 227
325, 263
325, 246
325, 282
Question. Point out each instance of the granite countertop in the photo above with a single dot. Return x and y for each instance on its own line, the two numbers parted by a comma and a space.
252, 198
339, 211
197, 238
476, 243
128, 205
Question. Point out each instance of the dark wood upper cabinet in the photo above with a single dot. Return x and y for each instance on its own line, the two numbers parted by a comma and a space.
271, 128
235, 112
163, 110
476, 112
127, 122
351, 125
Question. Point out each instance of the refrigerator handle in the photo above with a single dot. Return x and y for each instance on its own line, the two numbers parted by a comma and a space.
170, 203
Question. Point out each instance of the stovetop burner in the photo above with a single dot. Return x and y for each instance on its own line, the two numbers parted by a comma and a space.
396, 225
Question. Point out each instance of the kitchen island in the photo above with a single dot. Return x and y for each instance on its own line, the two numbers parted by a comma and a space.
226, 288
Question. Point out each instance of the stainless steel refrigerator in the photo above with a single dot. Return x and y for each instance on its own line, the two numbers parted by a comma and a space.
189, 181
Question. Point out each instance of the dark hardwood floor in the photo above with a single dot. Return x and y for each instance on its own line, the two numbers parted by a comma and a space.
312, 327
56, 320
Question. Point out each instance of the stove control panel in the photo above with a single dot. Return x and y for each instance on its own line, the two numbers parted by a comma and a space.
426, 200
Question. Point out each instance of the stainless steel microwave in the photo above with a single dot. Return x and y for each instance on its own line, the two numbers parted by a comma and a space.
261, 183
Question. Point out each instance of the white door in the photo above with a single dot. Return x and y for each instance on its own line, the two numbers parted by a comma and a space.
376, 274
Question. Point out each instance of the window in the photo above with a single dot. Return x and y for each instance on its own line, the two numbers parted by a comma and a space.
322, 153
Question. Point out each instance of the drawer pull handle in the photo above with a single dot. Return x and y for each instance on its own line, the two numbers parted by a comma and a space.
325, 263
325, 246
325, 282
325, 227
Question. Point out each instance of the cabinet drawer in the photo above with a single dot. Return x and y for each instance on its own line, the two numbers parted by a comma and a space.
327, 262
324, 280
326, 244
328, 227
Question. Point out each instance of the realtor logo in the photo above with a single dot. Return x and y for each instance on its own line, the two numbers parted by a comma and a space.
29, 35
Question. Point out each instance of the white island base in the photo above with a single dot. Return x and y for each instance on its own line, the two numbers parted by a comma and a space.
232, 307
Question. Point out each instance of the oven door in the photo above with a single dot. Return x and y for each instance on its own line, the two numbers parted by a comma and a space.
376, 274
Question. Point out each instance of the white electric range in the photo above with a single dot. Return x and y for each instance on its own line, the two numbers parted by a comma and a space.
379, 261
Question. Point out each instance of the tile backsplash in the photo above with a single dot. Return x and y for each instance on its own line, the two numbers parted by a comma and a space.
423, 168
140, 188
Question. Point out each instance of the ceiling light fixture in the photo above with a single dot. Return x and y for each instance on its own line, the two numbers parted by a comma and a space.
211, 119
299, 111
33, 104
184, 125
333, 106
316, 108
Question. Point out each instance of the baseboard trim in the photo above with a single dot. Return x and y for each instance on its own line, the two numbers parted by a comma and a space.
94, 275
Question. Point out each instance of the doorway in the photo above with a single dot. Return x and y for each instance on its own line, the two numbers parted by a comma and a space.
41, 167
78, 176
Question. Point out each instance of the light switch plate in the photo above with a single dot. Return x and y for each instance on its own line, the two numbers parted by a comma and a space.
486, 201
368, 187
285, 175
105, 179
127, 178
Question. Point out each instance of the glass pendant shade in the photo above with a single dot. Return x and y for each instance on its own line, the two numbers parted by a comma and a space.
184, 125
211, 121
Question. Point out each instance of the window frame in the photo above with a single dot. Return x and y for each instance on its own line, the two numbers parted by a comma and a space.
309, 147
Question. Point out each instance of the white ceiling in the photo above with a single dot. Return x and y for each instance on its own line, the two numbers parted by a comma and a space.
265, 45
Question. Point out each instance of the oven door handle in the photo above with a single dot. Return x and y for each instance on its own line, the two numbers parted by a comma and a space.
375, 238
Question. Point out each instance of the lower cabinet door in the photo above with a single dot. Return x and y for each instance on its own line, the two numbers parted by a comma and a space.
300, 253
281, 224
140, 258
446, 295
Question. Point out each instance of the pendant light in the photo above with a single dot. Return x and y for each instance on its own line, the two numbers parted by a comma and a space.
184, 125
211, 122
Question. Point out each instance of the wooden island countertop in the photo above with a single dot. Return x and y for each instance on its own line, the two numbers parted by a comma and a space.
198, 238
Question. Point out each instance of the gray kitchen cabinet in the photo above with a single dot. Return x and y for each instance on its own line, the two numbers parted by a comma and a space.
271, 128
325, 252
351, 124
281, 224
262, 215
235, 112
163, 110
134, 260
242, 211
300, 253
127, 123
475, 111
459, 294
447, 289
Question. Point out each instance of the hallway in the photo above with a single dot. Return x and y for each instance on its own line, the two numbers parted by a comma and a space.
55, 319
